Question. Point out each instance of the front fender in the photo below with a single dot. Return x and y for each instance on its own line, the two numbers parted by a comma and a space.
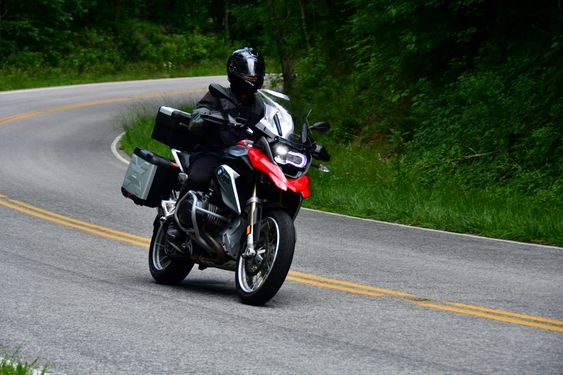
300, 185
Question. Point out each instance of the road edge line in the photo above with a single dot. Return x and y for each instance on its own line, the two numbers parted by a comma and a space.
114, 150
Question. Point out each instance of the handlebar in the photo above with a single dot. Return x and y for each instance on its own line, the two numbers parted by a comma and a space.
219, 119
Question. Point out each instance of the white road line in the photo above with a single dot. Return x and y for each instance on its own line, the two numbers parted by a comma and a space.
115, 151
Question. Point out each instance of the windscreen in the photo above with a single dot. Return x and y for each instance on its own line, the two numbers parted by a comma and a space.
284, 118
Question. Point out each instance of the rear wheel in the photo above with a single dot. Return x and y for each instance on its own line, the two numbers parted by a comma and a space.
165, 265
259, 277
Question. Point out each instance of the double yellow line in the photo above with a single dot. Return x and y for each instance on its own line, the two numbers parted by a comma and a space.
344, 286
480, 311
496, 314
304, 278
73, 223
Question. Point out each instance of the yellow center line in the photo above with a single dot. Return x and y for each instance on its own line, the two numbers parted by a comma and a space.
69, 224
304, 278
80, 222
491, 316
508, 313
337, 287
461, 307
21, 116
347, 283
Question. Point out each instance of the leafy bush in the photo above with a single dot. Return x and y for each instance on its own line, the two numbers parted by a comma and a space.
494, 126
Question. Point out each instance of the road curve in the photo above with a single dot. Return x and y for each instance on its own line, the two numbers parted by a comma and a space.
362, 297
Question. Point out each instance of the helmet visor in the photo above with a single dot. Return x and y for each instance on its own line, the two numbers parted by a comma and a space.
250, 68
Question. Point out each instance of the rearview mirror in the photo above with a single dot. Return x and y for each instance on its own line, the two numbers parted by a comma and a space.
321, 127
321, 153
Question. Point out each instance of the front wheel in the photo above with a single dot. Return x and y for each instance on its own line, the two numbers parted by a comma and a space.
259, 277
164, 264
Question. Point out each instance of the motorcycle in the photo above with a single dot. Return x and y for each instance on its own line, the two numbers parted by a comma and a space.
245, 221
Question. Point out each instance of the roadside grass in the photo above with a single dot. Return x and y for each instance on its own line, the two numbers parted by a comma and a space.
12, 366
364, 184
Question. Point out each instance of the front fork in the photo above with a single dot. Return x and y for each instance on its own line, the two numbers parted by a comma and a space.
254, 210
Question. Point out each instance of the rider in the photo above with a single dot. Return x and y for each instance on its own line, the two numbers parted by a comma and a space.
245, 70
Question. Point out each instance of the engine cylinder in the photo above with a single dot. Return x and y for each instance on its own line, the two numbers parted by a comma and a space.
203, 209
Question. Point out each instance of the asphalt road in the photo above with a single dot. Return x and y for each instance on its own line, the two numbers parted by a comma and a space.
363, 297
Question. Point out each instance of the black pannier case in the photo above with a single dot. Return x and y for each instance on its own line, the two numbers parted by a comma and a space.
172, 128
149, 178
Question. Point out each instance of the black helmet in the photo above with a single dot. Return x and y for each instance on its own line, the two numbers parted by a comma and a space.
246, 68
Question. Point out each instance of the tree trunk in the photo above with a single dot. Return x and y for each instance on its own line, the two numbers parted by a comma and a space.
2, 14
227, 33
287, 68
117, 10
304, 25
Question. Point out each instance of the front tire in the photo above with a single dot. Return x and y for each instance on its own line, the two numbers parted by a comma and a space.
258, 278
166, 268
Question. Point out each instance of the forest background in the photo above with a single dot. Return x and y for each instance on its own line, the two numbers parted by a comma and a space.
445, 114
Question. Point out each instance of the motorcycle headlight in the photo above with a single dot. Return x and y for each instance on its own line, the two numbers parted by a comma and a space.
280, 151
282, 155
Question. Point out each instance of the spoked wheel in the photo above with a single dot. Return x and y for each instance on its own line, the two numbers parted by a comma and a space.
164, 264
259, 277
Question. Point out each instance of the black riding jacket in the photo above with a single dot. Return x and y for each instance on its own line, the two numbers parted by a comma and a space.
218, 137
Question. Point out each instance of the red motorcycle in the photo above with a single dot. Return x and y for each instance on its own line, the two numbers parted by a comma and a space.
245, 221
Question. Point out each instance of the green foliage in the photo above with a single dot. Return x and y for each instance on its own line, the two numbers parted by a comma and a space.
495, 126
465, 93
145, 41
249, 27
80, 36
12, 366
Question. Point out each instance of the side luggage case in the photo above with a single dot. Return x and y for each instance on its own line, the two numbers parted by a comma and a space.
149, 178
